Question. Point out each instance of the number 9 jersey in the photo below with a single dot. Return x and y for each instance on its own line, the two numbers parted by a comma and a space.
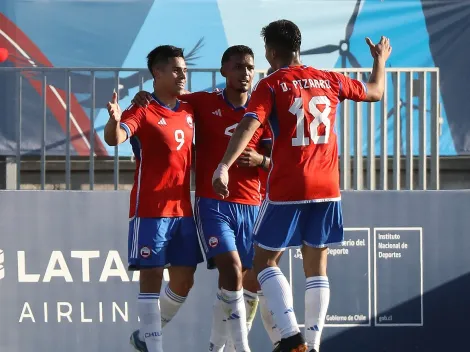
161, 140
299, 103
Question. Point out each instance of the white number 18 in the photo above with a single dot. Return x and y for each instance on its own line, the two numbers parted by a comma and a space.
320, 117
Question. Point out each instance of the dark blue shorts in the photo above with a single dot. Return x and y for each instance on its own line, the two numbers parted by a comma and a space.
159, 242
225, 227
280, 226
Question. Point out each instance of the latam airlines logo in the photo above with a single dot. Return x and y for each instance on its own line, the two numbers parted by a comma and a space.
59, 264
73, 269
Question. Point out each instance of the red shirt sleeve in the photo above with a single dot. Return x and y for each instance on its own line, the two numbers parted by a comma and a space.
267, 136
131, 119
349, 88
261, 102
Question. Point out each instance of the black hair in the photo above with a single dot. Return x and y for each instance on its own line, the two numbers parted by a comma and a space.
161, 54
283, 36
236, 50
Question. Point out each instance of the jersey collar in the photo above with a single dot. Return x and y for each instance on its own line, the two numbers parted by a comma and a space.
159, 102
231, 105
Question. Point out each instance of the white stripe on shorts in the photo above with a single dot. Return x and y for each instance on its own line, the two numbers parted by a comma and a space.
198, 221
259, 219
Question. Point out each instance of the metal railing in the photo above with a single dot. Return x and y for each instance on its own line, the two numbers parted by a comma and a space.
371, 156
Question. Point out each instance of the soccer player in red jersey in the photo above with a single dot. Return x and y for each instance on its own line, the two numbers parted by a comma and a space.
302, 206
162, 230
226, 226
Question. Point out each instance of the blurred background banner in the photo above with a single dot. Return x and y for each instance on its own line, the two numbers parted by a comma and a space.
88, 35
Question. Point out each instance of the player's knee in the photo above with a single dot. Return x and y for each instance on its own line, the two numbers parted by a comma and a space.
262, 261
230, 272
231, 278
314, 260
151, 280
181, 280
250, 281
182, 287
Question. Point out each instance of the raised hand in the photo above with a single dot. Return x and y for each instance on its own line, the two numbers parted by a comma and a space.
114, 110
381, 50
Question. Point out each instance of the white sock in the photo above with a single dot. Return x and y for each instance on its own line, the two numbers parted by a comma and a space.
278, 295
170, 303
251, 306
234, 307
267, 318
219, 332
150, 321
317, 298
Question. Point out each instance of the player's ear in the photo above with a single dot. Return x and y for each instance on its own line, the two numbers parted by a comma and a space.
222, 71
156, 73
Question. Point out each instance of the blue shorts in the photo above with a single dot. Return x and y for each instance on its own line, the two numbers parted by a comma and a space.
160, 242
225, 227
292, 225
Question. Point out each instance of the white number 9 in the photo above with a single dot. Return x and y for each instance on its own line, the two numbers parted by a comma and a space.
179, 137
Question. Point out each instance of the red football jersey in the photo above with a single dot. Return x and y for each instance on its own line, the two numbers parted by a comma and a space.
263, 174
161, 139
300, 103
215, 120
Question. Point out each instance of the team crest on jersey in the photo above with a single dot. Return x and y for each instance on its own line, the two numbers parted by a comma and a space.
189, 120
213, 242
145, 252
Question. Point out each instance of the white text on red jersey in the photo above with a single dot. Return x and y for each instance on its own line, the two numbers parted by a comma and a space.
307, 83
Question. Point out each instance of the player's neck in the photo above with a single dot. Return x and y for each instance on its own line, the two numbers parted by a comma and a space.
167, 99
236, 98
294, 60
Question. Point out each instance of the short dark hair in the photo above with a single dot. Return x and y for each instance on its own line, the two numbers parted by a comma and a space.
236, 50
284, 36
161, 54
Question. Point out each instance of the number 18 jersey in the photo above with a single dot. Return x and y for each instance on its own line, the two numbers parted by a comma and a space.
299, 103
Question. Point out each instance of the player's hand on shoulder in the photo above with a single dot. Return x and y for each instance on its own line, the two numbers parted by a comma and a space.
114, 110
381, 50
250, 158
220, 181
142, 99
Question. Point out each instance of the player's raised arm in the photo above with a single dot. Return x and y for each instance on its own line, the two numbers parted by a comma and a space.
122, 125
142, 99
114, 134
376, 85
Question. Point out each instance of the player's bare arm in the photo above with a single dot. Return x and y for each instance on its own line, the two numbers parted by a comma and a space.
380, 52
143, 98
240, 139
114, 134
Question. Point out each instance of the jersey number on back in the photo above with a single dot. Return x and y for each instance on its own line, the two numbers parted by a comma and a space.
319, 117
